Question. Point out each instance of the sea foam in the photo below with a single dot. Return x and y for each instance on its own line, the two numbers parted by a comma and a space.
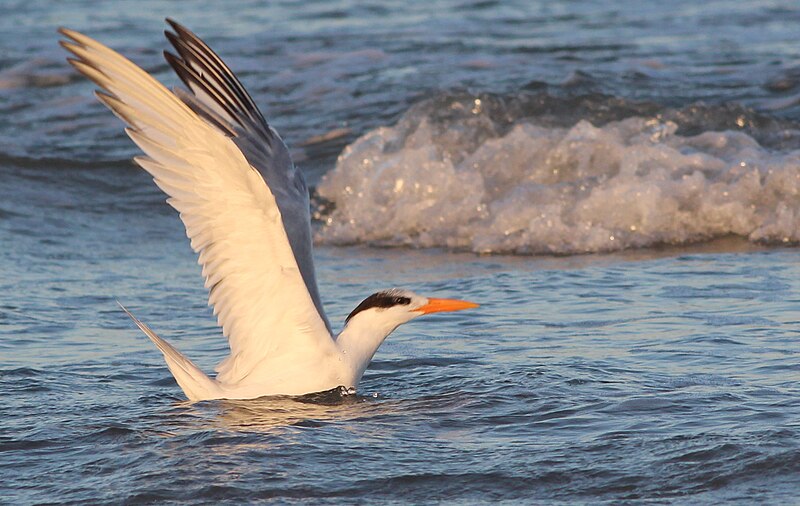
463, 177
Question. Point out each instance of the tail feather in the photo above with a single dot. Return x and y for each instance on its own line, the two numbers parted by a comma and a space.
195, 383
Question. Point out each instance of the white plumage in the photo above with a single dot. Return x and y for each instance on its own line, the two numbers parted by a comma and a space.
246, 212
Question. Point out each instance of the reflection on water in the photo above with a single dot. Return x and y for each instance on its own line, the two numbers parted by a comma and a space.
273, 414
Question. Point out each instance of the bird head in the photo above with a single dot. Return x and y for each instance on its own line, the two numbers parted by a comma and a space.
378, 315
396, 306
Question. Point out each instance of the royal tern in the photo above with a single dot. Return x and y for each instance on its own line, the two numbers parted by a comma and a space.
245, 207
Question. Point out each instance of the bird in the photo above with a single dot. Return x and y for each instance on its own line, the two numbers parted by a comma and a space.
245, 207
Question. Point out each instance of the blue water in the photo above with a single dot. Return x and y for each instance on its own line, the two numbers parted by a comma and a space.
667, 374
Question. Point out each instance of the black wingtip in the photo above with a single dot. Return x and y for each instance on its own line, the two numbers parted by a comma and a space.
171, 22
181, 30
169, 56
178, 66
171, 36
173, 39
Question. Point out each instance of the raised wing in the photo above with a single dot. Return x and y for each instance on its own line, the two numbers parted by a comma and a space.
233, 221
219, 97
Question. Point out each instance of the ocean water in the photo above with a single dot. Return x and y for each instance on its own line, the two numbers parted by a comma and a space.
616, 183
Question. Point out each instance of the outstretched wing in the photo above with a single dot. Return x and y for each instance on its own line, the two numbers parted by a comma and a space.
219, 97
259, 295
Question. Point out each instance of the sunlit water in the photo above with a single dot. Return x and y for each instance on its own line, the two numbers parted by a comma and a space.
669, 374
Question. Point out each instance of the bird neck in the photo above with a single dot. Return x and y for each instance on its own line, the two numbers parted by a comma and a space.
360, 339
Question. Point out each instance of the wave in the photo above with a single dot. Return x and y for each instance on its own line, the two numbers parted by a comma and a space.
55, 163
535, 173
42, 72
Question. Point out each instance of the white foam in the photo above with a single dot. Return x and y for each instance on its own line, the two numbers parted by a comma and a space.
534, 189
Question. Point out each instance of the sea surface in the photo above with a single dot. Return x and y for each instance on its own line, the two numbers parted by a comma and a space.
617, 183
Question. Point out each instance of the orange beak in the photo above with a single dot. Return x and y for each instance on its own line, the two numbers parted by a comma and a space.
439, 305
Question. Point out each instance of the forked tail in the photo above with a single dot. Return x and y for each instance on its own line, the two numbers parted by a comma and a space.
194, 382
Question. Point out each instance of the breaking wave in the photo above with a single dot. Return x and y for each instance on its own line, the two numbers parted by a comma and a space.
532, 174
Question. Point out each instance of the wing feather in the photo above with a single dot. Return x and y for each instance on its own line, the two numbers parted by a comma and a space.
231, 216
217, 95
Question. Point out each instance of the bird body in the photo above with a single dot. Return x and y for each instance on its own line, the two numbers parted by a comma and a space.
245, 207
338, 362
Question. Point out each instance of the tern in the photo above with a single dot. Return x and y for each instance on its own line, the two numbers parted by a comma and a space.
246, 210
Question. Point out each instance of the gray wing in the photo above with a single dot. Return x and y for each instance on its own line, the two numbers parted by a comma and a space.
217, 95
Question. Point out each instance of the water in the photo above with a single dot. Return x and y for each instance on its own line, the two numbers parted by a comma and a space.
668, 372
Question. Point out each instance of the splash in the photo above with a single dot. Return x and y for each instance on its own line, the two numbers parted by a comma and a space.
459, 174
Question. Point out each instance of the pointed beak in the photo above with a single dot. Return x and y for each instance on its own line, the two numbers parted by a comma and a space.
439, 305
